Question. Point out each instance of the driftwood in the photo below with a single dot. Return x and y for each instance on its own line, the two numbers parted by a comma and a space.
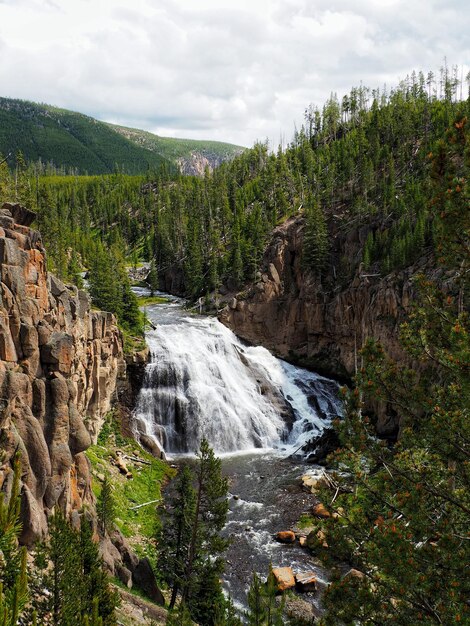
139, 506
136, 459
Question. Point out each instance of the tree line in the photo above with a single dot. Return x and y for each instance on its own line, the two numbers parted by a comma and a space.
358, 162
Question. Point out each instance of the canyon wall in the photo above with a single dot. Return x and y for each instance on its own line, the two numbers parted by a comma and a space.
59, 362
322, 324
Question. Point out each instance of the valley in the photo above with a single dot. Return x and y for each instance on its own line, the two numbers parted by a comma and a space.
180, 347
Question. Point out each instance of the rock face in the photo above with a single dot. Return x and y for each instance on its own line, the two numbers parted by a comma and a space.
59, 362
321, 324
198, 161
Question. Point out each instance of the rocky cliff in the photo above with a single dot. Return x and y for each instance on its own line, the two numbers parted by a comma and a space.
198, 161
59, 361
322, 323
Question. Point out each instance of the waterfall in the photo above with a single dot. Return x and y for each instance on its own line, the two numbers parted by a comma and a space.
202, 381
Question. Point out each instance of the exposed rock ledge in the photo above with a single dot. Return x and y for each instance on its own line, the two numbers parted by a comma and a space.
321, 325
59, 362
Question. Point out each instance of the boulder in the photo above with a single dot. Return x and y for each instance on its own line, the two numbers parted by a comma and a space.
354, 573
306, 582
319, 447
129, 558
319, 510
313, 482
284, 577
285, 536
110, 555
300, 610
144, 578
315, 539
124, 575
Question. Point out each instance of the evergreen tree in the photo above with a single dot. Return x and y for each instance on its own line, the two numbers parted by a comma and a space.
256, 615
105, 507
73, 581
262, 605
152, 277
315, 237
202, 591
97, 595
179, 617
175, 534
13, 575
404, 511
104, 289
189, 543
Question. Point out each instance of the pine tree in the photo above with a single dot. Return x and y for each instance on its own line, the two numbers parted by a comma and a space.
179, 617
274, 613
256, 615
202, 591
105, 507
97, 594
315, 237
152, 277
73, 581
13, 575
189, 542
405, 509
175, 534
263, 608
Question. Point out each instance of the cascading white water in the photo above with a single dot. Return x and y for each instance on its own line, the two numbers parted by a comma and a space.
202, 381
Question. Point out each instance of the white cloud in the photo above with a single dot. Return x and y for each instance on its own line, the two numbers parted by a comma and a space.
235, 70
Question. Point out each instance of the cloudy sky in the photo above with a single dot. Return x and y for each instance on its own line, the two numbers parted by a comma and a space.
234, 70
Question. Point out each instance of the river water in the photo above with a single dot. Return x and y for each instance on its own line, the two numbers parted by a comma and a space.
256, 411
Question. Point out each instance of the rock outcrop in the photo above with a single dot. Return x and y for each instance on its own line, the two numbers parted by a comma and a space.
198, 161
322, 324
59, 362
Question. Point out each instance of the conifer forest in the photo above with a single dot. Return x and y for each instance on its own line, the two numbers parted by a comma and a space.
235, 382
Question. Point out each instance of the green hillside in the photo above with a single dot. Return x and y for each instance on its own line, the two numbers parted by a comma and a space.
83, 144
175, 149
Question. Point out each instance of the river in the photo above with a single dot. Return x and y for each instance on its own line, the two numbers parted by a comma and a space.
256, 411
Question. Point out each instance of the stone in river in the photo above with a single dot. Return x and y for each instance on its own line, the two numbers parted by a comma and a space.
285, 536
306, 581
319, 510
284, 577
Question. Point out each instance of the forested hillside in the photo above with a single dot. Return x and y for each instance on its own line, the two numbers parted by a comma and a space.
58, 139
191, 155
358, 162
360, 165
378, 184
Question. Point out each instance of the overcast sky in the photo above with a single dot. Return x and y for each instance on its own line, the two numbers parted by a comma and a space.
234, 70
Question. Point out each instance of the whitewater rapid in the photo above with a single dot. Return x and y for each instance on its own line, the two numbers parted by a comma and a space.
202, 381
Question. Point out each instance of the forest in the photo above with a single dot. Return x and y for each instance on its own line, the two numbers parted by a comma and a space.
358, 162
393, 163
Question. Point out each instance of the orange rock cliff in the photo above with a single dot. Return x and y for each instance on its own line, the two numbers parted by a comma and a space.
59, 364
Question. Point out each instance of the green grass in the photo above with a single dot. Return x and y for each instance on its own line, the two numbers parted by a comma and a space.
148, 300
306, 521
144, 486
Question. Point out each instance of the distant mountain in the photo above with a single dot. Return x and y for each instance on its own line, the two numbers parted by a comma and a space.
192, 156
81, 143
